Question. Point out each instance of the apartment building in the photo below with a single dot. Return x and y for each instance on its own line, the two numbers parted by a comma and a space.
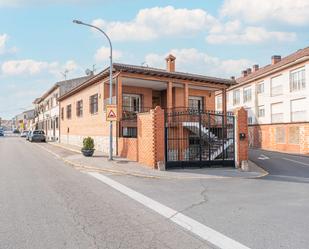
276, 97
24, 120
138, 91
47, 107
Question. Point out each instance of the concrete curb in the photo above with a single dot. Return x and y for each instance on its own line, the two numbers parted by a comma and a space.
117, 172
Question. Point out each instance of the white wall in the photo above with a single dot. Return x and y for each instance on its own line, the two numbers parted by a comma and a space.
266, 99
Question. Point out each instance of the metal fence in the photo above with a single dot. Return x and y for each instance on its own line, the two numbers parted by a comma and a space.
197, 138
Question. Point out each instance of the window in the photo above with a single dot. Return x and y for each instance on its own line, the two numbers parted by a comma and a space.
298, 110
294, 135
129, 132
236, 97
261, 111
93, 104
280, 135
196, 103
260, 88
247, 94
62, 113
69, 111
79, 108
57, 122
219, 102
277, 113
250, 120
131, 102
276, 86
297, 80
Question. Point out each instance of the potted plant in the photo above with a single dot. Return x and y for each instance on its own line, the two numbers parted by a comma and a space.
88, 147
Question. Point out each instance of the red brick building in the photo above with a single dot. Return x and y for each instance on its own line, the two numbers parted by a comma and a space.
141, 95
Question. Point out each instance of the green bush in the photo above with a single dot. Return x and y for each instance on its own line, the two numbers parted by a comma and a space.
88, 143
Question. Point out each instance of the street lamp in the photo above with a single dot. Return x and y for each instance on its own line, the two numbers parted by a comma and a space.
110, 83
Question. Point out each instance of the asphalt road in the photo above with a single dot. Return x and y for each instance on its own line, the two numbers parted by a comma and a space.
46, 204
282, 167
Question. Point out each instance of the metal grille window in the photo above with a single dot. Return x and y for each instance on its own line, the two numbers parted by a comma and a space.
196, 103
294, 135
131, 102
236, 97
276, 86
247, 94
69, 111
93, 104
261, 111
260, 88
297, 80
129, 131
280, 135
79, 108
277, 113
298, 110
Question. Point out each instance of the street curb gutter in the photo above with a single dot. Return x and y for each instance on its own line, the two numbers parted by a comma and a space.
117, 172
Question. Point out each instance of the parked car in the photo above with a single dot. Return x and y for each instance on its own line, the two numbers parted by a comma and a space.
28, 135
1, 133
24, 134
16, 131
37, 136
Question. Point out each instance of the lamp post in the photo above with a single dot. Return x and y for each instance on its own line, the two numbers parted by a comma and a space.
110, 83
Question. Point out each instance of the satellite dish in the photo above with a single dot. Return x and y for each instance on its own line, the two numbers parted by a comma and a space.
88, 72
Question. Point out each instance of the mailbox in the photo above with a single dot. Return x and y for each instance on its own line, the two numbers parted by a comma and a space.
242, 136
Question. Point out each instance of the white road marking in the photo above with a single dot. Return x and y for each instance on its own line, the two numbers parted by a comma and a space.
263, 157
306, 164
182, 220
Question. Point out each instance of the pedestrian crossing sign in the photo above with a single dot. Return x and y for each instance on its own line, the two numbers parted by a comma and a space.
111, 113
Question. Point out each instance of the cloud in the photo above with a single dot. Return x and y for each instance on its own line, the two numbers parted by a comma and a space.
103, 54
152, 23
293, 12
3, 45
193, 60
33, 67
232, 32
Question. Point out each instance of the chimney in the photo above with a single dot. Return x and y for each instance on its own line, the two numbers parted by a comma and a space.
275, 59
170, 63
255, 67
244, 73
249, 71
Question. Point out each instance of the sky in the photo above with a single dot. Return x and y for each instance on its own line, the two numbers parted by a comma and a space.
38, 41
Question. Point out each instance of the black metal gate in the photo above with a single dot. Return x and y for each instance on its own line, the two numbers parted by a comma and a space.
196, 138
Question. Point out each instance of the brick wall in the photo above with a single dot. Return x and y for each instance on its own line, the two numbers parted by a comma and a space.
295, 137
128, 148
242, 146
148, 147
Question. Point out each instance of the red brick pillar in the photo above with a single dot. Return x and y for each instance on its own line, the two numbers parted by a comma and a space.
159, 135
241, 143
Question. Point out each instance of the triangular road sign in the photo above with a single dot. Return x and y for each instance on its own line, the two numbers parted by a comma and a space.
111, 114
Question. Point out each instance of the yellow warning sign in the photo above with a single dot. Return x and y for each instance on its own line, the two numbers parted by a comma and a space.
111, 113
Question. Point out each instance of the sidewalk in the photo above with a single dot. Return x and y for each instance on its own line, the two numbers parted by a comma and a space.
99, 163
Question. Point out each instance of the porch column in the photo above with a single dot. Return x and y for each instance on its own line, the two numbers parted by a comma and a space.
119, 96
169, 95
224, 104
186, 97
